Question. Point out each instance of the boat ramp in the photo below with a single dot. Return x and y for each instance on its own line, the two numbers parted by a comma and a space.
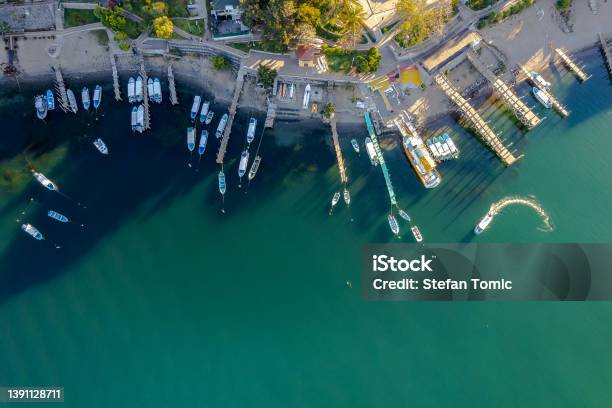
341, 166
60, 88
554, 101
606, 52
172, 86
480, 126
145, 96
520, 109
381, 159
232, 113
571, 65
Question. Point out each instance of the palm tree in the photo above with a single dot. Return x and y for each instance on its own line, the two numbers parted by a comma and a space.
353, 18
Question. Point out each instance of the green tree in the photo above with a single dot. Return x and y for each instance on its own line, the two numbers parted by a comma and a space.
374, 58
308, 14
111, 17
220, 62
353, 19
266, 76
329, 110
163, 27
4, 28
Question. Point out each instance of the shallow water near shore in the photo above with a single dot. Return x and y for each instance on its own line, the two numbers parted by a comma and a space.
162, 300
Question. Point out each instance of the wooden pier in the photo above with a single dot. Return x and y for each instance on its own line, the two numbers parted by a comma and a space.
606, 53
60, 88
116, 86
145, 95
341, 166
172, 86
571, 65
555, 103
270, 115
520, 109
232, 112
480, 126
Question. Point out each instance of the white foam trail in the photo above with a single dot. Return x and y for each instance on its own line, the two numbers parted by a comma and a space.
530, 202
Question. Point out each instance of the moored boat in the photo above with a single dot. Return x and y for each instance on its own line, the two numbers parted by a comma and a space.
539, 80
101, 146
251, 130
190, 139
222, 182
221, 126
72, 103
97, 96
541, 97
335, 199
483, 223
355, 145
254, 167
393, 224
139, 89
454, 151
85, 98
131, 90
195, 107
48, 184
209, 117
306, 98
157, 90
204, 111
244, 160
347, 197
371, 152
57, 216
32, 231
50, 100
140, 119
404, 215
150, 91
203, 140
134, 118
416, 233
417, 154
40, 104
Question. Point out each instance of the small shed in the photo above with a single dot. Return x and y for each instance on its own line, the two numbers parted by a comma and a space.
306, 55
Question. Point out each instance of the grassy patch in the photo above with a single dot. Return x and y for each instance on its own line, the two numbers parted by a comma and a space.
265, 45
194, 27
480, 4
342, 60
388, 28
74, 17
494, 17
132, 29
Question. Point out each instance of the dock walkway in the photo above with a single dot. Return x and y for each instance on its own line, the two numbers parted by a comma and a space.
520, 109
172, 86
116, 86
480, 126
381, 159
341, 166
145, 95
571, 65
555, 103
232, 112
606, 52
60, 88
270, 115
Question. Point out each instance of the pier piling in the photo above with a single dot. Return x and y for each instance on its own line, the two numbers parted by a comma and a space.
480, 126
172, 86
232, 112
571, 65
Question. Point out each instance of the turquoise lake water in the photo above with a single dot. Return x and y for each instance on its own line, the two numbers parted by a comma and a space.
162, 300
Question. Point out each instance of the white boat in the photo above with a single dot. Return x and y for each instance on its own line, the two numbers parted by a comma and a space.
85, 98
190, 139
542, 97
244, 161
221, 126
404, 215
291, 90
393, 224
134, 118
157, 90
203, 140
306, 97
251, 130
40, 104
150, 90
484, 223
209, 117
417, 154
416, 233
140, 119
97, 96
335, 198
131, 90
72, 103
347, 197
195, 107
57, 216
32, 231
101, 146
50, 100
222, 182
371, 152
254, 167
454, 151
539, 80
139, 89
355, 145
204, 111
48, 184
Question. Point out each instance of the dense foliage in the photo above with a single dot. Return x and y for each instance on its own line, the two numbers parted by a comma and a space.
329, 110
219, 62
564, 5
495, 17
344, 60
163, 27
114, 19
266, 76
480, 4
421, 21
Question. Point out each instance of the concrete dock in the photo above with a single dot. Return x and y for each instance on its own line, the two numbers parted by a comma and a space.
520, 109
270, 115
571, 65
480, 126
116, 86
606, 52
339, 158
232, 112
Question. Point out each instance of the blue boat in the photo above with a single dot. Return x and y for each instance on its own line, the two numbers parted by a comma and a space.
204, 111
222, 182
195, 107
32, 231
57, 216
85, 98
50, 100
190, 138
203, 140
